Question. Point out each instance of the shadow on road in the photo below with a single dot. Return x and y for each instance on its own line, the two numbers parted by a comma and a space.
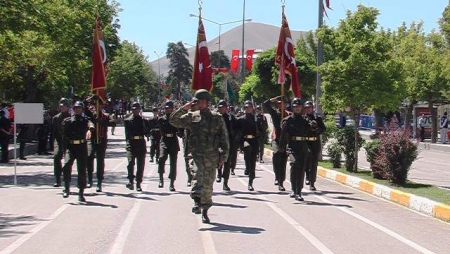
306, 202
229, 205
9, 221
219, 227
94, 204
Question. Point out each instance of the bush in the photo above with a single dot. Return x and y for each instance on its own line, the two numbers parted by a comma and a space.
346, 140
335, 153
395, 156
330, 124
372, 148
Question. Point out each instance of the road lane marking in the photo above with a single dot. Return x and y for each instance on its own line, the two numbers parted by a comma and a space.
371, 223
121, 238
19, 242
206, 236
291, 221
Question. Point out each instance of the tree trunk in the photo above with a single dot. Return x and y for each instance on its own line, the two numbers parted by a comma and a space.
356, 141
433, 122
408, 116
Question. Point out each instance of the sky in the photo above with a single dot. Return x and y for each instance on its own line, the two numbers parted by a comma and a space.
152, 24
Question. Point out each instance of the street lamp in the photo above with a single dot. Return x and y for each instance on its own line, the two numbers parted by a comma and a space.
220, 29
159, 74
243, 39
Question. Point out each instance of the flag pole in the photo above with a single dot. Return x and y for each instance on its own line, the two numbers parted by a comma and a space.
282, 64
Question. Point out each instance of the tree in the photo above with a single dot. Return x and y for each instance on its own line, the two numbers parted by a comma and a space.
180, 70
363, 75
219, 55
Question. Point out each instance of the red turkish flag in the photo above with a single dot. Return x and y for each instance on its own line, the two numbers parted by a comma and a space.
99, 62
202, 76
249, 59
285, 57
234, 60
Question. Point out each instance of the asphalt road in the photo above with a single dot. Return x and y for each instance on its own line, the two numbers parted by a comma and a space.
34, 218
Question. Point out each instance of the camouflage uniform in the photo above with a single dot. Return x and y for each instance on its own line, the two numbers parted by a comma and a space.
208, 134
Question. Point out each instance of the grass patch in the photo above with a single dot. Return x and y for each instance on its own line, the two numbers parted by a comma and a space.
424, 190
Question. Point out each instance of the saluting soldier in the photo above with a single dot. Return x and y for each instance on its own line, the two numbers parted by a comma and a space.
208, 137
169, 147
57, 130
231, 124
186, 151
317, 127
135, 131
98, 142
248, 132
294, 131
154, 135
76, 129
279, 157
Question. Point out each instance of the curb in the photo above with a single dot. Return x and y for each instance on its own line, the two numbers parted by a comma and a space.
413, 202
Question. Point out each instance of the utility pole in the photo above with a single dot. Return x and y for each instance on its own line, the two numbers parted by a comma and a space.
319, 61
243, 40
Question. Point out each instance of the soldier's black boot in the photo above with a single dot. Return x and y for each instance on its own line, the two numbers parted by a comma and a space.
81, 195
299, 197
138, 186
151, 159
66, 190
189, 180
232, 172
58, 182
312, 187
205, 218
196, 208
130, 185
219, 178
250, 185
89, 184
281, 187
225, 185
172, 187
99, 187
161, 181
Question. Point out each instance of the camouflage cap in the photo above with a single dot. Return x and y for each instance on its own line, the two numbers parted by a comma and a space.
202, 94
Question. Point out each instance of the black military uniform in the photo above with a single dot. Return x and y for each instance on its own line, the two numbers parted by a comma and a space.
263, 139
135, 130
168, 147
59, 146
231, 124
248, 132
317, 127
294, 131
75, 130
154, 135
97, 144
5, 127
21, 137
279, 157
233, 147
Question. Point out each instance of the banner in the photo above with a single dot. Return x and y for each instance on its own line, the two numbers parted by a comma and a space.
234, 60
285, 58
229, 91
249, 59
202, 75
99, 62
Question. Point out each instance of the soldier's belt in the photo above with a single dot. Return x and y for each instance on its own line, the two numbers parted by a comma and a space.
137, 137
249, 136
169, 135
304, 138
77, 141
155, 129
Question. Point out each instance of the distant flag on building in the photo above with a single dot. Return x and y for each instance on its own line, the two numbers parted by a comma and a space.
202, 75
99, 62
285, 57
234, 60
249, 59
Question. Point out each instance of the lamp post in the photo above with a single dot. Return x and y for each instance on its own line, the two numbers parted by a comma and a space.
159, 74
220, 30
243, 40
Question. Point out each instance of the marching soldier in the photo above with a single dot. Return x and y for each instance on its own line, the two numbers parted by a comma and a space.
186, 152
294, 131
98, 142
76, 129
248, 132
317, 127
233, 148
279, 157
263, 139
231, 124
169, 147
155, 135
135, 130
208, 137
57, 130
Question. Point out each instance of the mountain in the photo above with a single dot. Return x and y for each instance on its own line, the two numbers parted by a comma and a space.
258, 36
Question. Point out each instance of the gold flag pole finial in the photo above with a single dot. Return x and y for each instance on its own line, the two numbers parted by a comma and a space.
200, 3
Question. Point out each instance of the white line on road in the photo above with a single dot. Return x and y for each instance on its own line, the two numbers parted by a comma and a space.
373, 224
310, 237
16, 244
122, 237
208, 242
